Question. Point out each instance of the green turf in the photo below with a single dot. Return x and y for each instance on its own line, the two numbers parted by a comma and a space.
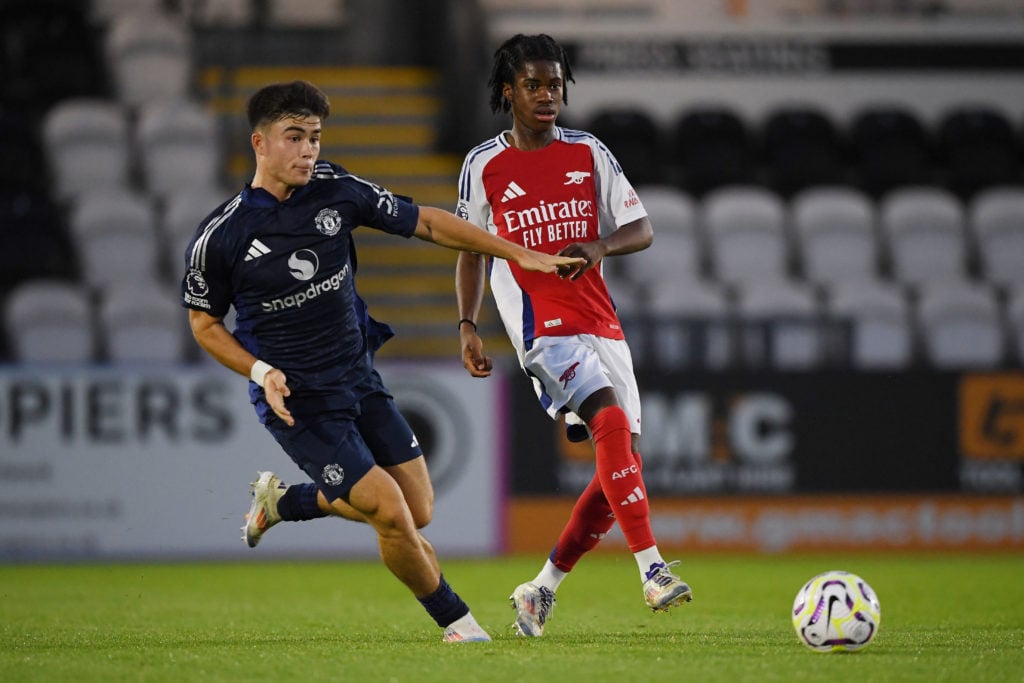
944, 618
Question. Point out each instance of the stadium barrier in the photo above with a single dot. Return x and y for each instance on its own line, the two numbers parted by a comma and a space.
155, 463
772, 462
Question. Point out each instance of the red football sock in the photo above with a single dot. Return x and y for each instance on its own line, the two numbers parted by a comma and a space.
591, 519
619, 473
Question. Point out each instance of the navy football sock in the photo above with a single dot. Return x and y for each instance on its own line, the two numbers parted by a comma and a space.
444, 605
299, 504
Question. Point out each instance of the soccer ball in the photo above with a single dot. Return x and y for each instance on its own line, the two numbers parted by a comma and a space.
835, 612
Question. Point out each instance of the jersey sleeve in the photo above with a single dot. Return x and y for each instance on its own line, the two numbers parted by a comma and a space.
617, 199
206, 285
473, 205
382, 209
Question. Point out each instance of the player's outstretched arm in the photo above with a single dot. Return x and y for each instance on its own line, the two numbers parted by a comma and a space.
448, 230
210, 333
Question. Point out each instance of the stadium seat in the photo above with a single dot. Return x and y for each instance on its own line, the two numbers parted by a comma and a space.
781, 325
87, 144
977, 149
220, 13
834, 233
50, 321
179, 146
114, 235
635, 139
712, 147
745, 231
676, 251
308, 14
802, 147
143, 323
149, 55
961, 325
691, 325
876, 316
996, 223
891, 148
923, 230
103, 12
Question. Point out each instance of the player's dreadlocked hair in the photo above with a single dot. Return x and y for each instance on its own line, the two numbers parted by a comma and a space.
280, 100
513, 55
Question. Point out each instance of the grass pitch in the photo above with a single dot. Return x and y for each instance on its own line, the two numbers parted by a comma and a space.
944, 618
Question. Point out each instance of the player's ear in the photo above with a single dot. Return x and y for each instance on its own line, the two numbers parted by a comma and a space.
257, 141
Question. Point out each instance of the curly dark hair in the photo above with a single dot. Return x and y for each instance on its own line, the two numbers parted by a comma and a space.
282, 100
513, 54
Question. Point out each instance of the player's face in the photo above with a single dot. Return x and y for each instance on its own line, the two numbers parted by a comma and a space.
536, 94
286, 151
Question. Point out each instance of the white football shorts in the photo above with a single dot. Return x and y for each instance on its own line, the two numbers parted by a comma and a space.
566, 370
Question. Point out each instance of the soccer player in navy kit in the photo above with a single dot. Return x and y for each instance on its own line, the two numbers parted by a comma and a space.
280, 252
554, 189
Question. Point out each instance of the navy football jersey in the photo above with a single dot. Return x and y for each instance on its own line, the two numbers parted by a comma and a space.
287, 268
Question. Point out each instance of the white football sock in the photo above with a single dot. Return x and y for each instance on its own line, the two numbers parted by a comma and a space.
645, 558
550, 576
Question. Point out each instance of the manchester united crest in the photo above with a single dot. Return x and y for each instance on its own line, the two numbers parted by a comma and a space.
328, 221
333, 475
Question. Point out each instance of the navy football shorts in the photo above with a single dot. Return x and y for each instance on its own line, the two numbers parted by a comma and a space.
337, 452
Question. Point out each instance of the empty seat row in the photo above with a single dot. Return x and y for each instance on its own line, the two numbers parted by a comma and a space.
789, 325
135, 51
234, 13
824, 234
882, 147
107, 238
118, 236
94, 144
782, 325
60, 321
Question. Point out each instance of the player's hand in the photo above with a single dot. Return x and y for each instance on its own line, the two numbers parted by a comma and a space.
473, 358
590, 253
550, 263
275, 386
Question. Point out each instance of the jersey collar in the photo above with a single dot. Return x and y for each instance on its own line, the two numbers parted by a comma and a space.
260, 198
505, 134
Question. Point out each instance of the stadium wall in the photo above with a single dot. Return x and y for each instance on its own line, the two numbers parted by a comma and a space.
154, 463
803, 461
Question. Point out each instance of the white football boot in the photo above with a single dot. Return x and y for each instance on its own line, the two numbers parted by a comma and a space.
663, 589
533, 605
262, 515
465, 630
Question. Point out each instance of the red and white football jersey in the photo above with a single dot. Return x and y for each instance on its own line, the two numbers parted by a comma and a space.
545, 200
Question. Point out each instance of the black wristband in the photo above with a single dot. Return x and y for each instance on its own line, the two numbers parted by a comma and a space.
467, 320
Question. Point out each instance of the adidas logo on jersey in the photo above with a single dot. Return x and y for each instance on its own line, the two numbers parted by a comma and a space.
512, 192
256, 249
635, 497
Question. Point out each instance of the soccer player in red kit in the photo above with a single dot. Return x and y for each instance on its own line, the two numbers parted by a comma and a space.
561, 191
